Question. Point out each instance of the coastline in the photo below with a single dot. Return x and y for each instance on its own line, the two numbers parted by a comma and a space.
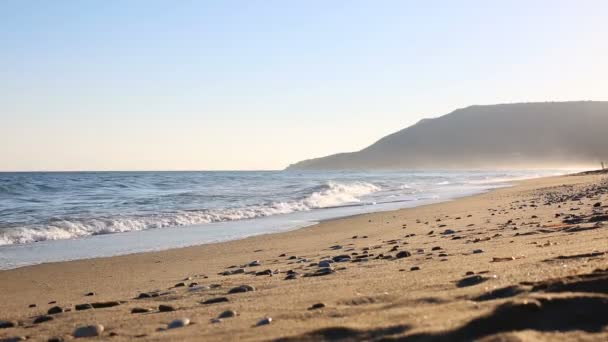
364, 296
154, 240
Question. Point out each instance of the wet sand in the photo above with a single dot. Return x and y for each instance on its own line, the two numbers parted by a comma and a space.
529, 262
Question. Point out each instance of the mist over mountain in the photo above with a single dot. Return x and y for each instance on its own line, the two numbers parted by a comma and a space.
522, 135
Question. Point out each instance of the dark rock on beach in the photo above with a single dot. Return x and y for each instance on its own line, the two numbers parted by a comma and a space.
403, 254
42, 319
320, 272
165, 308
178, 323
215, 300
227, 314
81, 307
241, 289
88, 331
341, 258
471, 281
55, 310
103, 305
7, 324
316, 306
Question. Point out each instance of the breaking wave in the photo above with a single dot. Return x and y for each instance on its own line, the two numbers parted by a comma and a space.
331, 194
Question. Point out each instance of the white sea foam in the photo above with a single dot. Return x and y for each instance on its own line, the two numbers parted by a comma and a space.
332, 194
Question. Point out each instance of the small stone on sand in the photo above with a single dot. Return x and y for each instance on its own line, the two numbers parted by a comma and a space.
241, 289
7, 324
81, 307
179, 323
42, 319
88, 331
316, 306
403, 254
324, 263
215, 300
227, 314
471, 281
55, 310
165, 308
264, 321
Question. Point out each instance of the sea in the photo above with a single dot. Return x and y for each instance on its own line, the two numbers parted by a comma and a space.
58, 216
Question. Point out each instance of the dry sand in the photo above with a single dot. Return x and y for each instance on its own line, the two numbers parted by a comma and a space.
533, 275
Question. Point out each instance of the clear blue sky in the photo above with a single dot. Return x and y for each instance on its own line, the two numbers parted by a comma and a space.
131, 85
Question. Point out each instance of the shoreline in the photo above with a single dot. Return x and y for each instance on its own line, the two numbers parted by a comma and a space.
303, 223
362, 297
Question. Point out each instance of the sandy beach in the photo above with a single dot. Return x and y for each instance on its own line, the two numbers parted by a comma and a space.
528, 262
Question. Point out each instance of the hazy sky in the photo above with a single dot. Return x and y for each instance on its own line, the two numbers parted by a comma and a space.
132, 85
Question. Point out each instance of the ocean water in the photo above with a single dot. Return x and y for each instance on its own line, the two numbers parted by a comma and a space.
59, 216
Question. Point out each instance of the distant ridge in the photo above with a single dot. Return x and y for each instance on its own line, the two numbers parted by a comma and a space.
521, 135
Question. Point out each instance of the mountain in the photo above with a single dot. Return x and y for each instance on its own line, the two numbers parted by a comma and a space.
521, 135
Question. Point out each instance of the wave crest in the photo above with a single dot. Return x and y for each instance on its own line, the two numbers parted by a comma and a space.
331, 194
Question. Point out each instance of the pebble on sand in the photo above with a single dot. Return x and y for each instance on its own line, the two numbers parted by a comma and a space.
103, 305
215, 300
179, 323
415, 268
237, 271
316, 306
55, 310
165, 308
147, 295
264, 321
471, 281
42, 319
325, 263
88, 331
341, 258
7, 324
267, 272
227, 314
80, 307
403, 254
241, 289
320, 272
140, 310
